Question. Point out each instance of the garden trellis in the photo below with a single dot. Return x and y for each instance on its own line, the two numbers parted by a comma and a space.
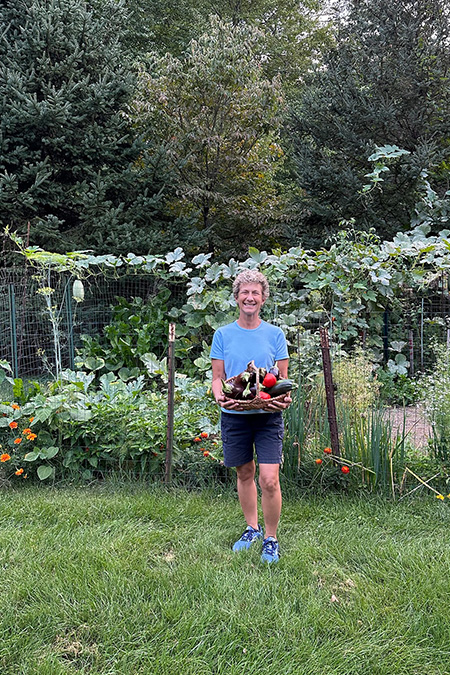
25, 331
404, 328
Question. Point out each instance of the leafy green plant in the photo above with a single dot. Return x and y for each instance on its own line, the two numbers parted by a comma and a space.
435, 389
357, 389
371, 445
137, 329
397, 389
80, 427
306, 428
23, 448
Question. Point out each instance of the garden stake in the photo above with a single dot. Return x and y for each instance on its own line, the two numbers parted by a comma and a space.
170, 403
329, 391
12, 326
69, 317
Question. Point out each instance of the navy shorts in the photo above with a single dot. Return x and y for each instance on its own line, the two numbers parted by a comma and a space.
240, 433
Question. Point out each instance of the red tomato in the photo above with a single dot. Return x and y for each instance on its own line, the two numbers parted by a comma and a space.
264, 394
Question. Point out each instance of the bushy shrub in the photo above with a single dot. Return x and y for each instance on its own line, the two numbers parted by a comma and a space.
357, 389
397, 389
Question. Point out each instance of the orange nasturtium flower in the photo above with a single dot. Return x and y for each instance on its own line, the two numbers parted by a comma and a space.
17, 441
31, 437
31, 419
318, 461
204, 434
327, 451
26, 431
14, 406
197, 439
19, 472
13, 425
5, 457
345, 469
206, 453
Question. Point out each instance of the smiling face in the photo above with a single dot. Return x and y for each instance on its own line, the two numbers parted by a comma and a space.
250, 300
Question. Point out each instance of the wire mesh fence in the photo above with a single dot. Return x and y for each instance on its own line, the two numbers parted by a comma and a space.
27, 329
409, 326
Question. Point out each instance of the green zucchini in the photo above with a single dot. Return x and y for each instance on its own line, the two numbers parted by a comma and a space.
281, 387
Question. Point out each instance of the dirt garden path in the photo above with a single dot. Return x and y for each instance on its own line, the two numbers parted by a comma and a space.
417, 426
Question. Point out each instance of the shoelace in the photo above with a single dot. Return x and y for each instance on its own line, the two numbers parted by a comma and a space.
249, 534
270, 547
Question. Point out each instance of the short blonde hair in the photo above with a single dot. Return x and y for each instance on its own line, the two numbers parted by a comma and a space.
251, 277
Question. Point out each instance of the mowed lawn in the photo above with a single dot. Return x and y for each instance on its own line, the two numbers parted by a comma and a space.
129, 579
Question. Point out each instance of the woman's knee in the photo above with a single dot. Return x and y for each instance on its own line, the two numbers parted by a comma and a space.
269, 483
246, 472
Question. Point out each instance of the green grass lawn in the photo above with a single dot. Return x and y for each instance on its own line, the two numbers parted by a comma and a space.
132, 580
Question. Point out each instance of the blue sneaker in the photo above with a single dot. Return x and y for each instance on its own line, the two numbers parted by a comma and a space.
248, 537
270, 550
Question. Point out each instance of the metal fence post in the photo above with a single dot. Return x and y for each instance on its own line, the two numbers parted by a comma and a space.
386, 336
13, 329
69, 316
170, 402
329, 391
411, 351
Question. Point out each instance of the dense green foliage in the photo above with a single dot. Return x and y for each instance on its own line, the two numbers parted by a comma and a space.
292, 31
217, 118
79, 428
386, 80
68, 155
147, 124
115, 403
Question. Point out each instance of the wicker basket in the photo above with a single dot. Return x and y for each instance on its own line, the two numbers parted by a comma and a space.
256, 403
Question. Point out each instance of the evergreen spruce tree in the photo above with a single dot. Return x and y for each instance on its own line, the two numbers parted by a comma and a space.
385, 82
68, 155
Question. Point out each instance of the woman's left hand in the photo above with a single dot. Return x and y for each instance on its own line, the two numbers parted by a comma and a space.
280, 405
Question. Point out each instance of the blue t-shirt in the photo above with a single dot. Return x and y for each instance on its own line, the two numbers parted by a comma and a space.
236, 346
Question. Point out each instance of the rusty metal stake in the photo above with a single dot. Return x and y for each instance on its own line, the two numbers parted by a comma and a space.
329, 391
170, 403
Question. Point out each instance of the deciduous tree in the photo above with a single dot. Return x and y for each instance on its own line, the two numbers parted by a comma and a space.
218, 119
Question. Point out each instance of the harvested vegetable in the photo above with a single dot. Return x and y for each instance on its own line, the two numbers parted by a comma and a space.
269, 381
281, 387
